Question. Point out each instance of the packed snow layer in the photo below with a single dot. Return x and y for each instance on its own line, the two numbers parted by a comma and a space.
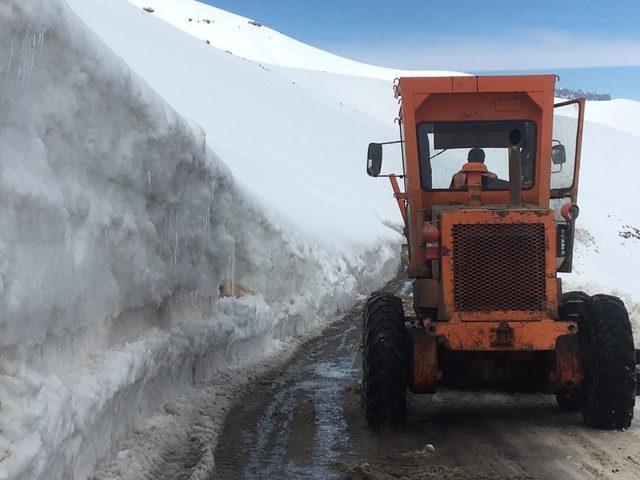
121, 227
249, 39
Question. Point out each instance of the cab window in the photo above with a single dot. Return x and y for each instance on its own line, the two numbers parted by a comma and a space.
566, 121
444, 147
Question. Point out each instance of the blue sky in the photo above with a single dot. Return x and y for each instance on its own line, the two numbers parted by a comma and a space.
581, 40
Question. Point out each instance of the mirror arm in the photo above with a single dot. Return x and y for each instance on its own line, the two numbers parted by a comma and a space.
399, 196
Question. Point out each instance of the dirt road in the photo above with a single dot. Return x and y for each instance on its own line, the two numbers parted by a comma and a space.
306, 421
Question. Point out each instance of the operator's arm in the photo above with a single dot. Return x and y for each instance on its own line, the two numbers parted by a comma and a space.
458, 181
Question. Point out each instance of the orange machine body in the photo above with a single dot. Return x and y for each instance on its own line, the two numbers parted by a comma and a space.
493, 286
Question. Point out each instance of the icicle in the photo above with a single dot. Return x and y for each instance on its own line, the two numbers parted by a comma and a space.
32, 57
177, 240
32, 44
232, 280
10, 62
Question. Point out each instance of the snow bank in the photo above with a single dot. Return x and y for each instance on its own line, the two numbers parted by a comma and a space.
120, 227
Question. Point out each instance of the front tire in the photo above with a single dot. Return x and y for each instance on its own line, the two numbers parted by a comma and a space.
609, 365
384, 361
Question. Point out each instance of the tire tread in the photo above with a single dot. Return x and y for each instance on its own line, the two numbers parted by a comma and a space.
384, 360
610, 380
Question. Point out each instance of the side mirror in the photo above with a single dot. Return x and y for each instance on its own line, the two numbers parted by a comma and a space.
558, 154
374, 159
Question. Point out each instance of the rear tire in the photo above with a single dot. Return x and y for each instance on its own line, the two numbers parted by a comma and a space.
574, 307
609, 365
384, 361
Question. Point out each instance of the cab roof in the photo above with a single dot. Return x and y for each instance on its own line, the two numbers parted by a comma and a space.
476, 84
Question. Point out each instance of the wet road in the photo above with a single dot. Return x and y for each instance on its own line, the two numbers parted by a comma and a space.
306, 421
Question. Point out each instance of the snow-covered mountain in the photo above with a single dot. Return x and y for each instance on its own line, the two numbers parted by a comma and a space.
290, 143
249, 39
144, 172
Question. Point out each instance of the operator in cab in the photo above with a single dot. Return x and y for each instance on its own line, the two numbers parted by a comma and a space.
459, 180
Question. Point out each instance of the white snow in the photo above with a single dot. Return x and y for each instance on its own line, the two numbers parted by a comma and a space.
247, 38
312, 147
621, 114
119, 225
605, 260
122, 220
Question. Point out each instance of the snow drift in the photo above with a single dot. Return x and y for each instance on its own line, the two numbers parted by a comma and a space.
120, 228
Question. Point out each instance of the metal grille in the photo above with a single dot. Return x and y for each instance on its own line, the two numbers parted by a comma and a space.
499, 267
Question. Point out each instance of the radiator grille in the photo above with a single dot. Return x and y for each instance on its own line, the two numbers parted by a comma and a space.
499, 267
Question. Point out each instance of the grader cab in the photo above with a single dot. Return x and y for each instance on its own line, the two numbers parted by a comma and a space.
490, 170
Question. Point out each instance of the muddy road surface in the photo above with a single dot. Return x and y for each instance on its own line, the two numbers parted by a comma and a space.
305, 421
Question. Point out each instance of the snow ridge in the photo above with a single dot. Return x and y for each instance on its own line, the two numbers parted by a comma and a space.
249, 39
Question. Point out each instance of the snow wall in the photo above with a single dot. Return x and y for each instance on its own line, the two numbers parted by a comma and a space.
119, 228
